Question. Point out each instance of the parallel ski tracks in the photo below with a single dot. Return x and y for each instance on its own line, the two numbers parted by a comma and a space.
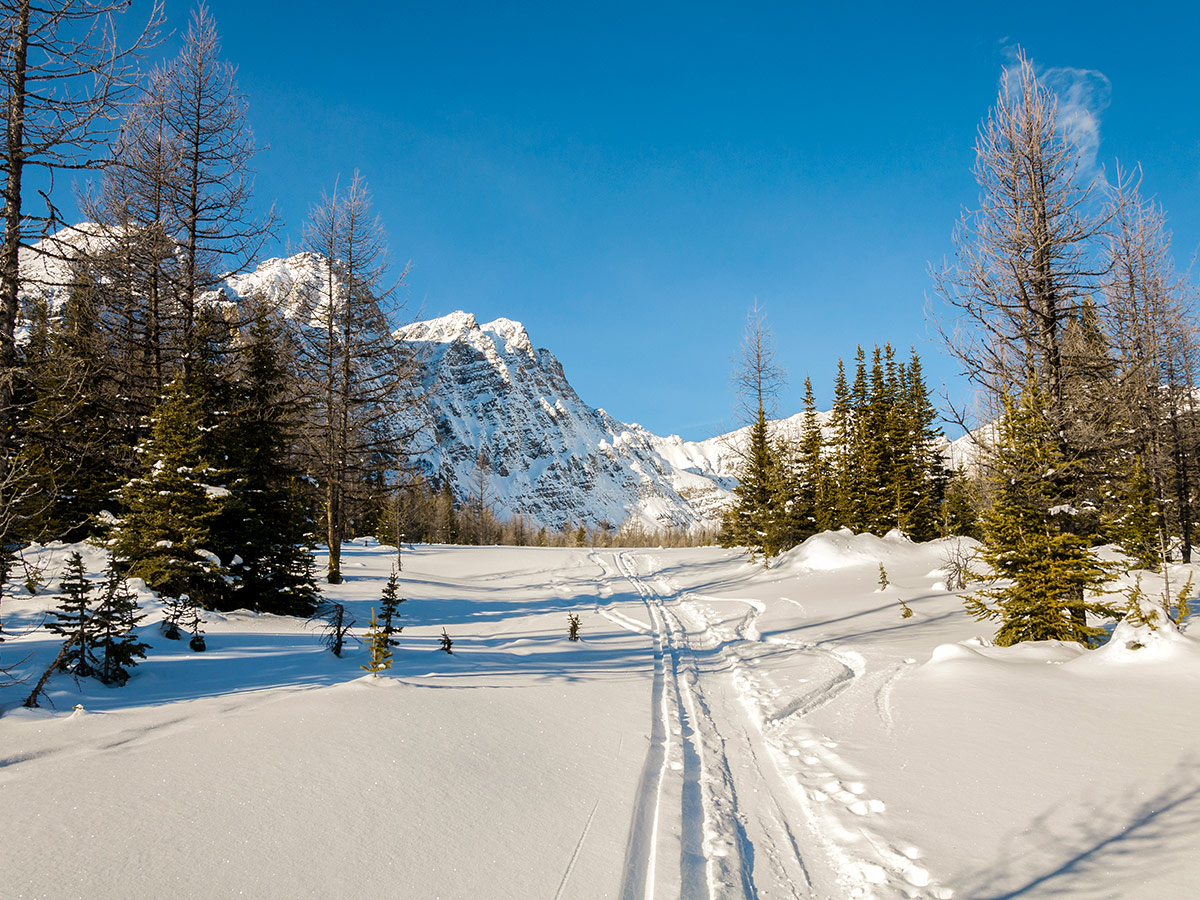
687, 838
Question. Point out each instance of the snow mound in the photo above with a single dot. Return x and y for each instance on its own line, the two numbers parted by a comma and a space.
1140, 645
841, 549
1029, 653
1130, 645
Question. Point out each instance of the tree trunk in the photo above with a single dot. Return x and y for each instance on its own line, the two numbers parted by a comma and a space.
10, 271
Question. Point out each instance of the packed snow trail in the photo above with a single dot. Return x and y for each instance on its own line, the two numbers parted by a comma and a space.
686, 769
722, 730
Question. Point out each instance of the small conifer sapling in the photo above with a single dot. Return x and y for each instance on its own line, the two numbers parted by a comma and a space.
378, 646
447, 644
390, 609
117, 648
33, 575
335, 624
191, 621
1183, 607
573, 626
883, 578
74, 615
173, 612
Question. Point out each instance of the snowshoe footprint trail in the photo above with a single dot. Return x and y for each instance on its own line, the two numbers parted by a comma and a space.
824, 783
808, 831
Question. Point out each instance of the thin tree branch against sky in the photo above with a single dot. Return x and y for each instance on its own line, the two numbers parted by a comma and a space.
626, 179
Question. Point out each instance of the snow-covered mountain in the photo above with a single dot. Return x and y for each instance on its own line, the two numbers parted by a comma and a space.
495, 398
550, 456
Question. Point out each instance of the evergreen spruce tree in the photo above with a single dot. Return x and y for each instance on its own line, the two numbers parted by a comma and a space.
116, 647
814, 489
759, 516
920, 473
174, 611
751, 521
842, 426
390, 609
191, 620
378, 646
959, 509
1134, 522
266, 527
77, 440
792, 515
1027, 542
74, 616
853, 482
166, 534
876, 414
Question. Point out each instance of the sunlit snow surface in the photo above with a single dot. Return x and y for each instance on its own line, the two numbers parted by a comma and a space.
722, 731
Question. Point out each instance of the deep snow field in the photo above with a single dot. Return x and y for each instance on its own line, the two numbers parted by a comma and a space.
722, 731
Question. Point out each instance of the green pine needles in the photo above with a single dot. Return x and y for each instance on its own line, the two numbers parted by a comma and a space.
390, 608
1050, 574
378, 646
99, 639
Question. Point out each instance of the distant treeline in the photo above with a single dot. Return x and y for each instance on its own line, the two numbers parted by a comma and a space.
419, 513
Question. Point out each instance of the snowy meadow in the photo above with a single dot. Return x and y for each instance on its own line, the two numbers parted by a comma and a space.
721, 731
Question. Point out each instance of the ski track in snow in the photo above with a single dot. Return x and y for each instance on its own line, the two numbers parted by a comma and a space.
686, 770
575, 853
688, 806
624, 621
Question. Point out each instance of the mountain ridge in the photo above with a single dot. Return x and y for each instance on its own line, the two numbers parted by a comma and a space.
503, 413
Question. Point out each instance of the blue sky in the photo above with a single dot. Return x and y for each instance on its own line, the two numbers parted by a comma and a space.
625, 179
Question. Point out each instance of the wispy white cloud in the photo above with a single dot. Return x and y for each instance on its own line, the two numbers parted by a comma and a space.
1083, 95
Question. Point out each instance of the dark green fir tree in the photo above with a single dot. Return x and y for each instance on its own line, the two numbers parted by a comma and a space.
74, 617
815, 488
117, 648
920, 474
266, 528
751, 521
1027, 542
166, 534
959, 509
78, 436
389, 608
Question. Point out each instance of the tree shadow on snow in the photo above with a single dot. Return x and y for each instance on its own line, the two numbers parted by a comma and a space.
1110, 848
238, 662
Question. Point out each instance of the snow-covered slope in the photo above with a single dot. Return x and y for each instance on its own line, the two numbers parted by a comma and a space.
550, 456
722, 731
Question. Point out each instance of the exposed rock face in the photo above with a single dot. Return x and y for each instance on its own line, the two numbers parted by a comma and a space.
494, 398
